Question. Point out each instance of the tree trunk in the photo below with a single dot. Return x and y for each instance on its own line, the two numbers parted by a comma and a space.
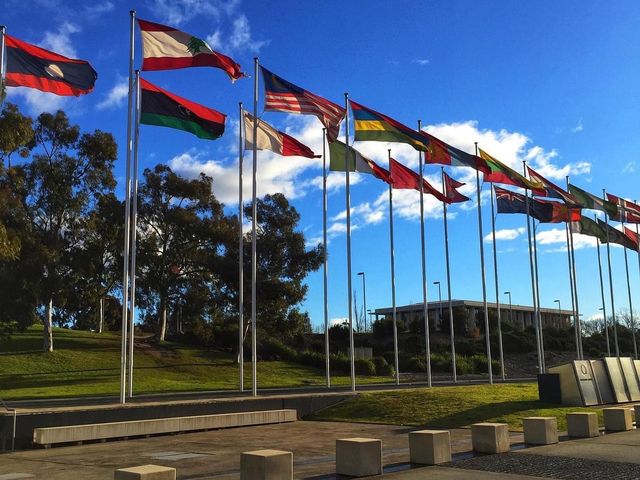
162, 327
47, 345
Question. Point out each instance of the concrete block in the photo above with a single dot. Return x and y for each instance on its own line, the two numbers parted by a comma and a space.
359, 457
617, 419
582, 424
145, 472
430, 447
490, 437
266, 465
540, 430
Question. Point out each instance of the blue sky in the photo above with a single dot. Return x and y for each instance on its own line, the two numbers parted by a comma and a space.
554, 83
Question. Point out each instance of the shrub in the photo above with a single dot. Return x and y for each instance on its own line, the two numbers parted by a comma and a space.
382, 367
365, 366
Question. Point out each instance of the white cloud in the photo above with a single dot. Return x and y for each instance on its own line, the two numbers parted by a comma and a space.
505, 234
239, 39
630, 167
338, 321
336, 181
60, 41
558, 236
421, 61
37, 101
579, 127
116, 96
178, 12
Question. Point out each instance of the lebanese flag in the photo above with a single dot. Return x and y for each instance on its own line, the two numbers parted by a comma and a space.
165, 48
34, 67
268, 138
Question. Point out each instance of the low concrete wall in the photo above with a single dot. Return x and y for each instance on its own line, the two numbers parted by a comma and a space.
98, 431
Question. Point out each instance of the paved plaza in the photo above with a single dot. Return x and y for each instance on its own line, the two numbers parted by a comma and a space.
216, 455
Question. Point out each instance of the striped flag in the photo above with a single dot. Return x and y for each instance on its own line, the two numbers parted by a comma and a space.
284, 96
268, 138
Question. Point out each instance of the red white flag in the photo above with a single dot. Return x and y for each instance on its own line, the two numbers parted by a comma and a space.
165, 48
451, 192
405, 178
268, 138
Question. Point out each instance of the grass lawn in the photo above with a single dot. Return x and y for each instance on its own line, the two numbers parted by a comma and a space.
88, 364
450, 407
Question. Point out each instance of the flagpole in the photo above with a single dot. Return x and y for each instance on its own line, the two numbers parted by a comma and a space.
133, 233
604, 306
241, 252
348, 206
613, 306
484, 281
393, 282
3, 31
495, 271
578, 322
327, 365
446, 255
626, 266
127, 219
254, 231
425, 298
573, 302
532, 271
638, 251
539, 315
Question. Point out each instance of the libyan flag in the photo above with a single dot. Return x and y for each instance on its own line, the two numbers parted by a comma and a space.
164, 109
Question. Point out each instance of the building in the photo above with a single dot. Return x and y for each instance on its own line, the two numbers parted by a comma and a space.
471, 313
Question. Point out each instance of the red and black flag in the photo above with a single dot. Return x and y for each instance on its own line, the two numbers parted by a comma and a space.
35, 67
165, 109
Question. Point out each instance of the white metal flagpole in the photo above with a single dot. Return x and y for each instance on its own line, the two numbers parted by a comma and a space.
254, 232
325, 274
425, 307
578, 322
3, 31
573, 302
393, 282
495, 272
446, 254
613, 305
348, 207
484, 281
127, 215
604, 304
241, 253
133, 233
538, 314
626, 266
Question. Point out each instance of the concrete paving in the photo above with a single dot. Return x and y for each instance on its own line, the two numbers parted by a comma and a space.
216, 454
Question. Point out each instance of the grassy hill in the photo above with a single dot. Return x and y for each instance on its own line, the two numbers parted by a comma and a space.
88, 364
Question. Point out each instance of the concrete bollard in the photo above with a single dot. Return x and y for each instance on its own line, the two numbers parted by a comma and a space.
266, 465
490, 437
582, 424
540, 430
145, 472
430, 447
359, 457
617, 419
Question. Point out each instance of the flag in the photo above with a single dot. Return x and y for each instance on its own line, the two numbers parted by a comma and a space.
542, 210
451, 192
443, 154
616, 236
633, 237
591, 202
405, 178
165, 109
283, 96
165, 48
377, 127
500, 173
628, 212
586, 226
550, 189
35, 67
357, 162
510, 202
268, 138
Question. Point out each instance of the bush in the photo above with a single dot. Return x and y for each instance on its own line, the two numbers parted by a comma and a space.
273, 349
382, 367
365, 366
416, 364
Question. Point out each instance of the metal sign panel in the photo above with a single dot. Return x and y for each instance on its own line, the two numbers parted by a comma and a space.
617, 379
629, 372
602, 381
586, 385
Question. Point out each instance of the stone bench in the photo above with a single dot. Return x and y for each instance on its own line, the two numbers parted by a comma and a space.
145, 472
266, 465
582, 424
490, 437
358, 457
430, 447
617, 419
134, 428
540, 430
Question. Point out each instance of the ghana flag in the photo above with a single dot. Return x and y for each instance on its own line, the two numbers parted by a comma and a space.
164, 109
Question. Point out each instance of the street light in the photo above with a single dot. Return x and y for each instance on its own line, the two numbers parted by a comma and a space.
558, 302
364, 298
439, 302
510, 309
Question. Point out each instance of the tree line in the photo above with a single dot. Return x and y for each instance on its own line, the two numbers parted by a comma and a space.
61, 242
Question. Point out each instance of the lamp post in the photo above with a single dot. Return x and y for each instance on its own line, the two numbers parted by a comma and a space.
364, 298
558, 302
510, 308
439, 302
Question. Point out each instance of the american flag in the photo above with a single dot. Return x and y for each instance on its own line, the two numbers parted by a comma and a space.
283, 96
